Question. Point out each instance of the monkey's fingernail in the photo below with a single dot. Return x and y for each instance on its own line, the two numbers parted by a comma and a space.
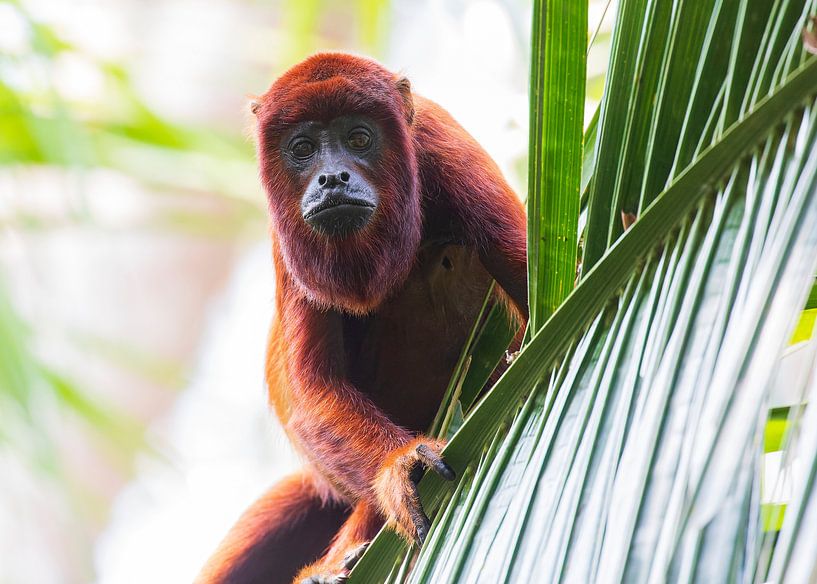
418, 516
435, 461
352, 558
444, 470
423, 527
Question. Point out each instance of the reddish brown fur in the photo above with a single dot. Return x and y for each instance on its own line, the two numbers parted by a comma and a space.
293, 515
435, 183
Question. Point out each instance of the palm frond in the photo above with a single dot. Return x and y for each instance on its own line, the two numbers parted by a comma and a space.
557, 106
625, 441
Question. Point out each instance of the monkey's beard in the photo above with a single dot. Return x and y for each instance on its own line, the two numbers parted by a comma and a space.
355, 273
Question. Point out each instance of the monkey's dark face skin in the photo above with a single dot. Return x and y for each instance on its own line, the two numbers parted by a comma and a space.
332, 160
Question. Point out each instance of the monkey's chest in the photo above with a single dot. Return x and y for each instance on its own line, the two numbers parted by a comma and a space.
403, 356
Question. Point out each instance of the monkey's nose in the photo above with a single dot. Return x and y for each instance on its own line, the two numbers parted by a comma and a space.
334, 179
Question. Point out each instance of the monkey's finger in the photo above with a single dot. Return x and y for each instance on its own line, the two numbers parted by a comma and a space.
418, 517
435, 462
350, 559
325, 579
421, 524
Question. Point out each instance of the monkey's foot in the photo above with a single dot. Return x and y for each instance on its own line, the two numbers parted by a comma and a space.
397, 480
339, 577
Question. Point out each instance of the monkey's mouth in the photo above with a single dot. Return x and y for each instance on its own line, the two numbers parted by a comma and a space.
341, 204
341, 215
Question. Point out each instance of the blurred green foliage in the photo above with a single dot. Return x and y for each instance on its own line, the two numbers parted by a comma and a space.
38, 127
29, 389
312, 24
42, 128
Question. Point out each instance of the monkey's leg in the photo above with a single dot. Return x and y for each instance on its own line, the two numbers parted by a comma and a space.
289, 527
347, 547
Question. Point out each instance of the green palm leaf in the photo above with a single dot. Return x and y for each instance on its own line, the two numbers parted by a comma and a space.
625, 441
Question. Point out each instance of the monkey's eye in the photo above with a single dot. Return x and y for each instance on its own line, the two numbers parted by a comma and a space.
302, 149
359, 139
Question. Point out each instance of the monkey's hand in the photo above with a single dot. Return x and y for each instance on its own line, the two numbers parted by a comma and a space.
396, 485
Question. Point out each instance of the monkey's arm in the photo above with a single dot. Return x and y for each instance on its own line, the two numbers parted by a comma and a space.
345, 435
455, 167
339, 428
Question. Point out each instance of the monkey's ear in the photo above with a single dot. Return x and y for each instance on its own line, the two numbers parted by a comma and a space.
404, 87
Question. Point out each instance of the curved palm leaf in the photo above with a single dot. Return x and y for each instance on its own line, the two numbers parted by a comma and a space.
624, 442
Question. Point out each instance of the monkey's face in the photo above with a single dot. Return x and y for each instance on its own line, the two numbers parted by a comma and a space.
344, 203
332, 160
337, 159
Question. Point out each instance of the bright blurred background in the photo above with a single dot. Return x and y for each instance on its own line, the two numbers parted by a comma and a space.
135, 280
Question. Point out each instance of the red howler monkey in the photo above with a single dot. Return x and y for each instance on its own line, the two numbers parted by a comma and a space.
388, 223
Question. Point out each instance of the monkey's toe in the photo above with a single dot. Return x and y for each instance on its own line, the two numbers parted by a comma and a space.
351, 559
327, 574
325, 579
